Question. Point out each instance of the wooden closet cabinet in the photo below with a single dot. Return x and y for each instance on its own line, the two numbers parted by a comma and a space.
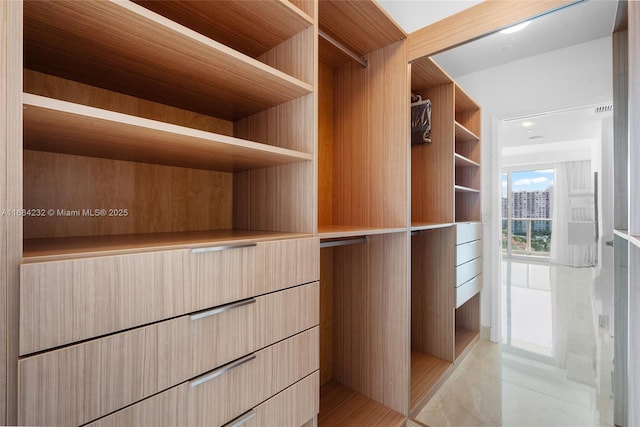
446, 245
169, 275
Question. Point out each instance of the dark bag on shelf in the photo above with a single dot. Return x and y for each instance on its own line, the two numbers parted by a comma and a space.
421, 121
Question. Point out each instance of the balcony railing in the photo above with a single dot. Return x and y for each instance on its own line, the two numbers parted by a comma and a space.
529, 236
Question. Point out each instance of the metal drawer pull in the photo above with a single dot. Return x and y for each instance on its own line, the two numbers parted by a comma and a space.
222, 370
223, 308
223, 248
241, 419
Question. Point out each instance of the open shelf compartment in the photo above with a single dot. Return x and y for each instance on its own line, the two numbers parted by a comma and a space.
363, 331
64, 127
124, 47
252, 27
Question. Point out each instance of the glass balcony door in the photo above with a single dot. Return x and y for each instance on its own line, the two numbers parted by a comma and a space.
527, 210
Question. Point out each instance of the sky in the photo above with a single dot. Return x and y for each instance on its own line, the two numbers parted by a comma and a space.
538, 180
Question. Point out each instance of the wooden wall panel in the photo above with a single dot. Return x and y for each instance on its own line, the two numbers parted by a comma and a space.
468, 315
370, 140
10, 198
79, 93
432, 173
325, 145
477, 21
158, 198
370, 325
307, 6
326, 315
280, 198
294, 56
433, 292
468, 207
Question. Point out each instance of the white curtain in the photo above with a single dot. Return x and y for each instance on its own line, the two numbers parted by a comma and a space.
573, 234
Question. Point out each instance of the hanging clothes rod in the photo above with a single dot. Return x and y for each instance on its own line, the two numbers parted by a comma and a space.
343, 242
343, 48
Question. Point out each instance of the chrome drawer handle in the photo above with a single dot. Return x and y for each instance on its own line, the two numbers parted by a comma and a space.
223, 248
241, 419
223, 308
222, 370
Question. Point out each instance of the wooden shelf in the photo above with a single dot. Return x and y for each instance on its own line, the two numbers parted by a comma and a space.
64, 127
342, 406
464, 337
465, 135
418, 225
124, 47
362, 26
338, 231
463, 189
249, 26
47, 249
427, 372
425, 73
464, 101
462, 162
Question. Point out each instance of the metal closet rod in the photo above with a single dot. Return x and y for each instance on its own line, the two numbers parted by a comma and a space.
343, 48
343, 242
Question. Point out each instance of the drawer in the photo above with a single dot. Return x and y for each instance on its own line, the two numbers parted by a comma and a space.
292, 407
468, 270
468, 251
232, 391
467, 290
103, 375
62, 302
468, 232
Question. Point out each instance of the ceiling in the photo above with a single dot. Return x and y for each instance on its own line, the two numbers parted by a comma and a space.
579, 23
569, 125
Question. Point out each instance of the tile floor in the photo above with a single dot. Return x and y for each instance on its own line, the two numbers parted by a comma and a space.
553, 367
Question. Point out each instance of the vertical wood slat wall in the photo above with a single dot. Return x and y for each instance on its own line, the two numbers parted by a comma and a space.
10, 198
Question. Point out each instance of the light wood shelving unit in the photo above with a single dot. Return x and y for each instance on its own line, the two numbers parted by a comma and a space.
362, 191
445, 192
168, 146
167, 103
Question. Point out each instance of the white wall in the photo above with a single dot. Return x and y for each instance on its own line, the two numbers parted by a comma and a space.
566, 78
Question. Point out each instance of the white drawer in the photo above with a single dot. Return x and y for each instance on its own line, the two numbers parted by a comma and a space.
468, 251
468, 270
468, 232
467, 290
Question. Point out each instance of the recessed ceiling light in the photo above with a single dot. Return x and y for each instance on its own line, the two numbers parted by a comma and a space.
526, 124
515, 28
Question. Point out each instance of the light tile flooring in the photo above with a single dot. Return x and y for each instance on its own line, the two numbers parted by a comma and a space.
553, 367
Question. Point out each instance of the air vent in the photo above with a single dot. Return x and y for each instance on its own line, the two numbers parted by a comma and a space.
604, 108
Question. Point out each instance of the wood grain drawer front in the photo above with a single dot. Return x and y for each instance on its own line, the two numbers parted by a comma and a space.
67, 301
62, 302
468, 251
285, 263
232, 394
106, 374
292, 407
468, 232
227, 396
221, 274
467, 290
468, 270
